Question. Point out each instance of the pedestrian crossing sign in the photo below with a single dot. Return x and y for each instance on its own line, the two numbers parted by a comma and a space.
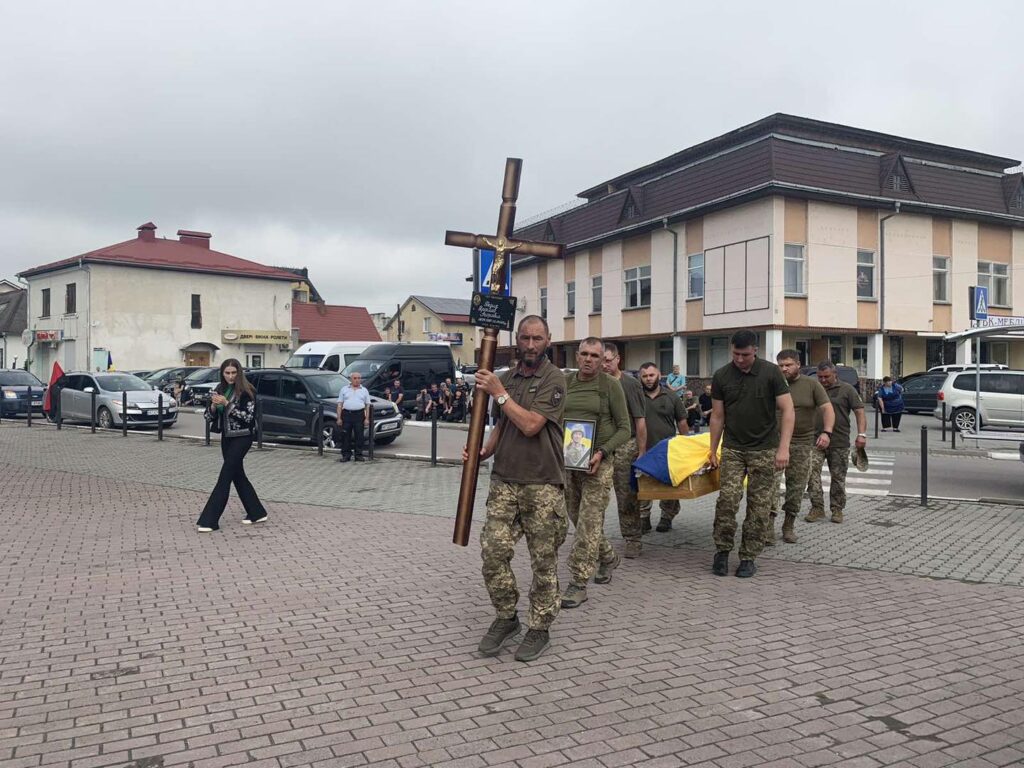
487, 267
979, 303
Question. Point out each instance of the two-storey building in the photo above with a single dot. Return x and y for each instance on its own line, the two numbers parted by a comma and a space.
843, 243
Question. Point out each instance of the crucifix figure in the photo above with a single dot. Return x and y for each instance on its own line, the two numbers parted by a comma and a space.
503, 248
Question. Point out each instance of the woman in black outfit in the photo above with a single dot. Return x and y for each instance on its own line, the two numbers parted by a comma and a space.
232, 412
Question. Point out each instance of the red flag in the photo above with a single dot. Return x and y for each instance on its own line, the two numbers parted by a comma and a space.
55, 374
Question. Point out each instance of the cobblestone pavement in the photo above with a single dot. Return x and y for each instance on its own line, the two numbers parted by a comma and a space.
343, 632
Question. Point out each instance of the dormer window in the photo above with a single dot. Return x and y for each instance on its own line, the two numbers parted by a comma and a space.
897, 183
1018, 200
629, 210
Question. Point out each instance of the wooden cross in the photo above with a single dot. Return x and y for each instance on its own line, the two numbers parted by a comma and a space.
504, 247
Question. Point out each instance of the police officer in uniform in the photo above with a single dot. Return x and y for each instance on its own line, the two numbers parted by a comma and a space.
526, 495
628, 452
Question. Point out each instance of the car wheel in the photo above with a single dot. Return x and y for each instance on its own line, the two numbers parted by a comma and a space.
328, 430
385, 440
963, 419
104, 419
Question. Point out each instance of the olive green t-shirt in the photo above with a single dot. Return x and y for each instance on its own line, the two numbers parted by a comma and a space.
749, 400
634, 392
844, 400
602, 402
537, 459
663, 413
808, 397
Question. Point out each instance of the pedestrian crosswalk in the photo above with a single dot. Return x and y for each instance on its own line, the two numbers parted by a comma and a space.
876, 481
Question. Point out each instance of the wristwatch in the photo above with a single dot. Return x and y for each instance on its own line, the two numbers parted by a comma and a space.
502, 399
863, 434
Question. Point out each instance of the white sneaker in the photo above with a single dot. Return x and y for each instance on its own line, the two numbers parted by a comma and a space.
247, 521
204, 529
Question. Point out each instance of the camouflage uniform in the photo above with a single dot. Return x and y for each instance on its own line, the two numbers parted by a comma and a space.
838, 462
514, 509
796, 475
586, 498
758, 467
625, 496
669, 509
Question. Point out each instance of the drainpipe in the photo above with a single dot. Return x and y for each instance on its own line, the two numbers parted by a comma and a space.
881, 269
675, 276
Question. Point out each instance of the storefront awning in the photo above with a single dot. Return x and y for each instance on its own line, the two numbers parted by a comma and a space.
200, 346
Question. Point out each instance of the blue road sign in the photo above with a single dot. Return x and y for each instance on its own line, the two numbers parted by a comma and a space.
486, 262
979, 303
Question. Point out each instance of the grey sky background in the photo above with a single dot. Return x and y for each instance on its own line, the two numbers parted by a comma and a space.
347, 136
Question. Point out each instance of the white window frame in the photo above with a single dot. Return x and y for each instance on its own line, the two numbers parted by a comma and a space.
866, 259
790, 256
991, 274
940, 272
596, 294
426, 325
254, 359
859, 349
570, 298
637, 276
693, 267
544, 303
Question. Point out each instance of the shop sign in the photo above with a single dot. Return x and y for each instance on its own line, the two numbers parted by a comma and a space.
57, 335
248, 336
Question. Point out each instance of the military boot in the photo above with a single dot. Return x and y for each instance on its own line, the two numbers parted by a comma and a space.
574, 596
769, 532
837, 517
788, 535
533, 645
814, 515
604, 571
501, 631
645, 524
633, 549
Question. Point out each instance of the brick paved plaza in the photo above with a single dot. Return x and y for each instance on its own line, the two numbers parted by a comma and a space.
343, 632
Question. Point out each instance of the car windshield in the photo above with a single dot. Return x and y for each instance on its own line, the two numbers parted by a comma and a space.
121, 382
327, 384
304, 361
202, 375
19, 379
157, 374
366, 366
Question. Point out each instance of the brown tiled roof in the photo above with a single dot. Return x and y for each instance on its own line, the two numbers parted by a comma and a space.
325, 322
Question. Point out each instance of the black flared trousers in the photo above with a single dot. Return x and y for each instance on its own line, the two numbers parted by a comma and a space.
233, 449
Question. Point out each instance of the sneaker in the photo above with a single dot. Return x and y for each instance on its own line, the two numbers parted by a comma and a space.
574, 597
814, 515
664, 525
534, 644
633, 549
895, 430
720, 567
885, 429
645, 525
204, 529
604, 571
746, 569
263, 519
501, 631
837, 517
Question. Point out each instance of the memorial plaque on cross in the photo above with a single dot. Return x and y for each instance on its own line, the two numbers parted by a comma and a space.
492, 311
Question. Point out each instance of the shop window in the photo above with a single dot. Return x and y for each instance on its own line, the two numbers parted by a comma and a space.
835, 349
718, 353
665, 355
693, 356
860, 354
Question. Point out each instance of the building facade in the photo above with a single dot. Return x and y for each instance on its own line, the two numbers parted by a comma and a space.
844, 244
431, 318
154, 302
13, 316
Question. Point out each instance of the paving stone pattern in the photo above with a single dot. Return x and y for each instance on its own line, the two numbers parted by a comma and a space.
345, 636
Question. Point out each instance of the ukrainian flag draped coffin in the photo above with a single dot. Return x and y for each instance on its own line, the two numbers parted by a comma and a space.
673, 460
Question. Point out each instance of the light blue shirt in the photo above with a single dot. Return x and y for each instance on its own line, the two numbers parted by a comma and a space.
353, 399
677, 380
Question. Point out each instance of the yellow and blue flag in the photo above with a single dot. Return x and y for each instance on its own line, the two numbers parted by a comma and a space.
673, 460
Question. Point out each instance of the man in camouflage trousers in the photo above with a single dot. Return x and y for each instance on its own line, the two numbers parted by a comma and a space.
526, 495
745, 395
809, 402
622, 473
845, 401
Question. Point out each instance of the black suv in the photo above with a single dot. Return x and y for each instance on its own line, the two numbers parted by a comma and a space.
843, 373
289, 399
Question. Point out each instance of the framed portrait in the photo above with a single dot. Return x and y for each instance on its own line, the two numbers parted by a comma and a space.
578, 444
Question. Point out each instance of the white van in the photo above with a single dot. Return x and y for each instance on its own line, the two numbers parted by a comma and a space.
327, 355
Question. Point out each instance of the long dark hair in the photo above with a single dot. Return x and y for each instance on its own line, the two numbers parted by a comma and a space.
241, 383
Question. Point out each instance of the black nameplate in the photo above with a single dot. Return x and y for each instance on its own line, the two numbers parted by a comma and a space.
497, 312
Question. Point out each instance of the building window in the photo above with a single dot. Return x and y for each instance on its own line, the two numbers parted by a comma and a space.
197, 311
426, 324
254, 361
46, 303
718, 353
664, 355
693, 356
595, 293
71, 299
860, 354
996, 278
638, 287
835, 349
865, 275
695, 276
1018, 199
997, 352
300, 296
940, 278
795, 265
544, 303
570, 298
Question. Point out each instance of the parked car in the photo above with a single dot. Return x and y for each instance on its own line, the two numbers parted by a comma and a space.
327, 355
921, 391
14, 395
198, 386
75, 392
844, 372
142, 374
417, 365
1001, 399
957, 368
165, 379
290, 398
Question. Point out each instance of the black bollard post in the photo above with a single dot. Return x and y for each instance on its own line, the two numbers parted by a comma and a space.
29, 406
952, 436
259, 425
944, 421
433, 437
924, 466
160, 416
124, 414
877, 416
320, 430
207, 422
92, 415
370, 429
55, 405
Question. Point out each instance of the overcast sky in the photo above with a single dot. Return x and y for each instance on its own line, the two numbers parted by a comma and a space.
347, 136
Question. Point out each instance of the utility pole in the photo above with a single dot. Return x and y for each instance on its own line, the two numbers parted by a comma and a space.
398, 319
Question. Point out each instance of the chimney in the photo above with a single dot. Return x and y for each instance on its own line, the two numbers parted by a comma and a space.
147, 232
194, 238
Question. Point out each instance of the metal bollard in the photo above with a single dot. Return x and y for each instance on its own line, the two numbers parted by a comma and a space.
952, 436
320, 430
92, 417
433, 437
877, 417
944, 421
924, 466
160, 416
30, 406
57, 417
370, 426
259, 425
124, 414
208, 423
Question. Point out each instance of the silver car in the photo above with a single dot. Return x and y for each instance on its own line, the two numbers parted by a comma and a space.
1001, 398
76, 389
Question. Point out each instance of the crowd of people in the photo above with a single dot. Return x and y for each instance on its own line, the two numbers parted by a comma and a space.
446, 401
